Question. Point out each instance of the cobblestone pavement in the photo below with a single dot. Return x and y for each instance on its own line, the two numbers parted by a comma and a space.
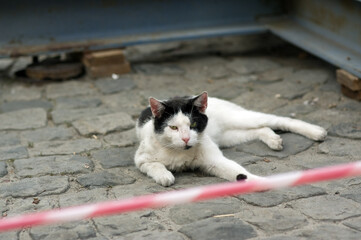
72, 142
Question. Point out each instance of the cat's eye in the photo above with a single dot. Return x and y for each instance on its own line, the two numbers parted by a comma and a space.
194, 124
173, 127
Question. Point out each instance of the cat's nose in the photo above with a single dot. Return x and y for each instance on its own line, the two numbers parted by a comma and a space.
185, 139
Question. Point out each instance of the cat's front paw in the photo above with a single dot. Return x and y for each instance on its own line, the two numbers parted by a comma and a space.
275, 142
165, 179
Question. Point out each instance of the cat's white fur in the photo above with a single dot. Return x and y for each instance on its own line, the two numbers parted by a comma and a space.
228, 125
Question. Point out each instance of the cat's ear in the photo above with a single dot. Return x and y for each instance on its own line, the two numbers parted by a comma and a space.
201, 101
156, 106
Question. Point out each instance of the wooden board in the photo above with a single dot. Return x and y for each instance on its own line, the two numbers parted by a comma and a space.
351, 94
104, 57
348, 80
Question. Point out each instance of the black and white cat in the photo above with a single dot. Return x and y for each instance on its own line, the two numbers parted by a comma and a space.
185, 132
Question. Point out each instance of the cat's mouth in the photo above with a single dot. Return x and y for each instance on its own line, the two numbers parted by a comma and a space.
187, 147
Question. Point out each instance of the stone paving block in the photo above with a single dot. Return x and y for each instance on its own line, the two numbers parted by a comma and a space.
346, 129
31, 205
353, 193
122, 139
240, 157
124, 224
274, 198
124, 99
104, 123
327, 207
298, 84
354, 223
105, 179
219, 228
52, 165
273, 220
9, 235
327, 231
188, 213
22, 93
136, 189
266, 101
83, 197
313, 160
276, 74
23, 119
249, 65
310, 76
349, 106
110, 85
292, 144
115, 157
158, 69
9, 139
18, 105
48, 134
340, 147
64, 147
295, 110
331, 85
193, 178
322, 99
282, 237
130, 102
332, 116
290, 90
342, 187
152, 235
80, 230
3, 207
69, 89
13, 152
98, 238
77, 102
227, 92
217, 71
32, 187
271, 166
70, 115
165, 92
3, 169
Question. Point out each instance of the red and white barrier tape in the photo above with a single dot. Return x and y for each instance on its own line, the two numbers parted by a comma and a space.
181, 196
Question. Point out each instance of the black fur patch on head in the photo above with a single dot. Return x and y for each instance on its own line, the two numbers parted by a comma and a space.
171, 108
145, 116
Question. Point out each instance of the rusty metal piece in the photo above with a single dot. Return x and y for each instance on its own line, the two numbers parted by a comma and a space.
54, 71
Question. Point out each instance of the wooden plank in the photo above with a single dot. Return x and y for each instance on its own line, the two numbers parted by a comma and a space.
104, 57
348, 80
351, 94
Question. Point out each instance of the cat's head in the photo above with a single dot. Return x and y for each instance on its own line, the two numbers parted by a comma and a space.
179, 122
